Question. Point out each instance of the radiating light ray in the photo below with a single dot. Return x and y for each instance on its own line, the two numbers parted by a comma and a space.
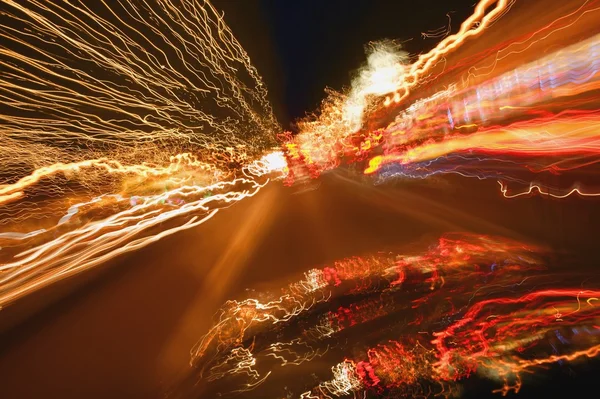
101, 240
89, 80
481, 106
121, 123
542, 112
413, 325
325, 138
551, 123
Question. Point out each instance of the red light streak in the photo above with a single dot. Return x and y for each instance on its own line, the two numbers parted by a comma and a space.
542, 109
470, 305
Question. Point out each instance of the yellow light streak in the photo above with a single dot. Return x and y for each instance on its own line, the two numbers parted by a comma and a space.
122, 123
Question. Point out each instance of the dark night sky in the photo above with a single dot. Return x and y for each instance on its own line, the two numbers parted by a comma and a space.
300, 47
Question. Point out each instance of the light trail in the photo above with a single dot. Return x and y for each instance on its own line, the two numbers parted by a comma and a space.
101, 240
544, 191
449, 115
406, 324
538, 114
116, 134
323, 139
418, 325
491, 107
120, 124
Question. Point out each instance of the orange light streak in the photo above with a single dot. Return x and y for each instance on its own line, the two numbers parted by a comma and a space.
121, 124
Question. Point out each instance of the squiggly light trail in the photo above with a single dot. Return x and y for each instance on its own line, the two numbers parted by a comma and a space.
413, 325
564, 140
542, 113
117, 118
325, 138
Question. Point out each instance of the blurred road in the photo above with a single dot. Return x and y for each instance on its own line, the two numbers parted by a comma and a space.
125, 329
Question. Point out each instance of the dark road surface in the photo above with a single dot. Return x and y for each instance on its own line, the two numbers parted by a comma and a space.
125, 330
